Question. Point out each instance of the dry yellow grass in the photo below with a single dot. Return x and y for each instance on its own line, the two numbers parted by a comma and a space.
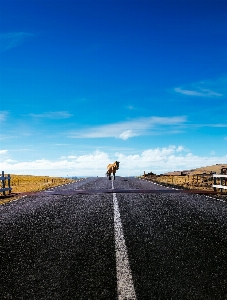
194, 182
29, 183
188, 181
214, 168
198, 179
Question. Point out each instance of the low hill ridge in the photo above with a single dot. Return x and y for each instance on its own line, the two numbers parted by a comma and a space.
208, 169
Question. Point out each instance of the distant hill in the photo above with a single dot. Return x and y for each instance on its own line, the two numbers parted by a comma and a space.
214, 168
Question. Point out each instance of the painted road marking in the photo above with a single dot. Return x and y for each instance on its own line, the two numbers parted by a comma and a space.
125, 287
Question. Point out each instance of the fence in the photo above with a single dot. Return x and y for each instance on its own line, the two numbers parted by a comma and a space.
223, 181
5, 181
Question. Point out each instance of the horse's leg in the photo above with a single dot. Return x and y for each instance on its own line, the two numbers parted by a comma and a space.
114, 175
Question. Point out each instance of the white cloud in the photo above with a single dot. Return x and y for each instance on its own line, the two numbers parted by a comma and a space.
12, 39
52, 115
180, 149
126, 134
157, 160
165, 159
3, 151
86, 165
198, 93
131, 128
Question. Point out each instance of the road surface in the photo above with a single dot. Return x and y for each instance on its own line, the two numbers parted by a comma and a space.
71, 245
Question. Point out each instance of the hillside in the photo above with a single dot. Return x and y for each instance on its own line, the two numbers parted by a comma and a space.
214, 168
208, 169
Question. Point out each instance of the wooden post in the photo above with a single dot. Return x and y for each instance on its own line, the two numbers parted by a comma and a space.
9, 183
222, 183
215, 182
3, 183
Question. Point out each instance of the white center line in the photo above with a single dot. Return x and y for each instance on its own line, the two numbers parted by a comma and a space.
125, 285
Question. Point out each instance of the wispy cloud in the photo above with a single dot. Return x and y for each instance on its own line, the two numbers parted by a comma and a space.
52, 115
217, 125
3, 151
198, 93
127, 129
61, 145
130, 107
126, 134
12, 39
206, 88
3, 115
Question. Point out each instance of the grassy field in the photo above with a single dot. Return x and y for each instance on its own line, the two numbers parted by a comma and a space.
28, 183
188, 181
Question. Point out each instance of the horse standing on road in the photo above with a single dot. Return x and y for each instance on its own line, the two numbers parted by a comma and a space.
111, 168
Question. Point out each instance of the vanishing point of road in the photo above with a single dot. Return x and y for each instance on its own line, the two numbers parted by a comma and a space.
103, 239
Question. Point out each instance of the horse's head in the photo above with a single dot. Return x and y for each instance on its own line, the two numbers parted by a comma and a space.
117, 164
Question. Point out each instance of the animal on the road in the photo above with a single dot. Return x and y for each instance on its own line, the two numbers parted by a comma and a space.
111, 168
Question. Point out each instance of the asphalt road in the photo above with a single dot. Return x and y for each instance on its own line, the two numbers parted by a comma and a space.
64, 246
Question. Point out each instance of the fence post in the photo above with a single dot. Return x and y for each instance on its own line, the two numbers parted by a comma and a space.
9, 186
221, 180
215, 182
3, 183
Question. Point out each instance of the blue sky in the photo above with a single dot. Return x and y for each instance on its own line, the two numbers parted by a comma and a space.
85, 83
